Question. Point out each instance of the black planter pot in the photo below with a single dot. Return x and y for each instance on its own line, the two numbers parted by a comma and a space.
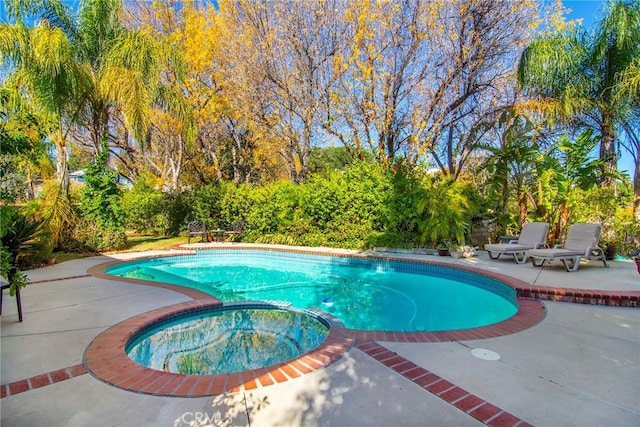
610, 252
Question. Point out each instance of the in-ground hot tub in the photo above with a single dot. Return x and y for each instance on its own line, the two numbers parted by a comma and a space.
232, 338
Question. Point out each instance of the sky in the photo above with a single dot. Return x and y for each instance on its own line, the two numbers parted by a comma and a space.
590, 11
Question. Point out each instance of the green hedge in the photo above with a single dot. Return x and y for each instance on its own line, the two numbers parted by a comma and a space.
365, 205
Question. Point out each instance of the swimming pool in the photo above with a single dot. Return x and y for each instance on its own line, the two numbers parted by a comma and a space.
364, 293
234, 338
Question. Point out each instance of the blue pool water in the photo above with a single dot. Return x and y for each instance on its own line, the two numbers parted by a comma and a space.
364, 294
227, 339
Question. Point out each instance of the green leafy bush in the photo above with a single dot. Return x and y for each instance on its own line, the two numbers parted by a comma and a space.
102, 224
176, 211
272, 208
447, 212
144, 207
97, 238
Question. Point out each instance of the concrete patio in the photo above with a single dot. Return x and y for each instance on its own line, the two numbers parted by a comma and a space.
579, 366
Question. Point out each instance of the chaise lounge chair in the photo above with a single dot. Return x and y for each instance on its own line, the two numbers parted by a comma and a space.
533, 236
582, 241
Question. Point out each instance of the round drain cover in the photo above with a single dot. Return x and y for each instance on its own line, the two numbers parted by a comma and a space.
484, 354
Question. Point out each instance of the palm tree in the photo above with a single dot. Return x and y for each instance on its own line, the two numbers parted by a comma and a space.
577, 78
629, 86
96, 69
43, 64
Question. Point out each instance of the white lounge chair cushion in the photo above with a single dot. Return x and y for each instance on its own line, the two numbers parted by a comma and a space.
555, 253
582, 236
504, 247
533, 234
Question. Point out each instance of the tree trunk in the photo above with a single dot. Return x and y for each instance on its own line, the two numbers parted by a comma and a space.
608, 152
636, 191
62, 168
450, 151
522, 208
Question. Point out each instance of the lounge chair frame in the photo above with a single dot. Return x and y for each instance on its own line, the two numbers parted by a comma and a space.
533, 236
570, 262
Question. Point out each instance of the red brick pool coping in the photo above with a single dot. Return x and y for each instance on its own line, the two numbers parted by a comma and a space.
106, 359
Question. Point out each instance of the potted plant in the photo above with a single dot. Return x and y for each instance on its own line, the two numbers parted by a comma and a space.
456, 252
462, 251
443, 248
610, 248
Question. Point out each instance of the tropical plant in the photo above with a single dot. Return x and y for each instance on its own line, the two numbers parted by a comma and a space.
567, 166
89, 70
580, 78
446, 211
512, 169
43, 64
20, 237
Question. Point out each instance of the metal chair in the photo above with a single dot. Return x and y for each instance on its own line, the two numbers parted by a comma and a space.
196, 228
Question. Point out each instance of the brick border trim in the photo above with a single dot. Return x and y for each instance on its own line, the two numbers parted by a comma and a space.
581, 296
106, 360
41, 380
530, 313
469, 403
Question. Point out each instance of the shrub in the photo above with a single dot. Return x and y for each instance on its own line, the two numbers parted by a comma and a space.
366, 204
102, 215
447, 211
176, 211
272, 208
22, 244
143, 206
94, 237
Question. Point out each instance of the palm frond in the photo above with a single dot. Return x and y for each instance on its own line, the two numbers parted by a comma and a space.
137, 50
628, 84
98, 25
550, 62
51, 49
58, 212
14, 42
174, 101
125, 87
618, 31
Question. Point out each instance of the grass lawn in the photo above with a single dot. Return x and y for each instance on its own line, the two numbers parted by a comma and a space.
134, 244
150, 243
